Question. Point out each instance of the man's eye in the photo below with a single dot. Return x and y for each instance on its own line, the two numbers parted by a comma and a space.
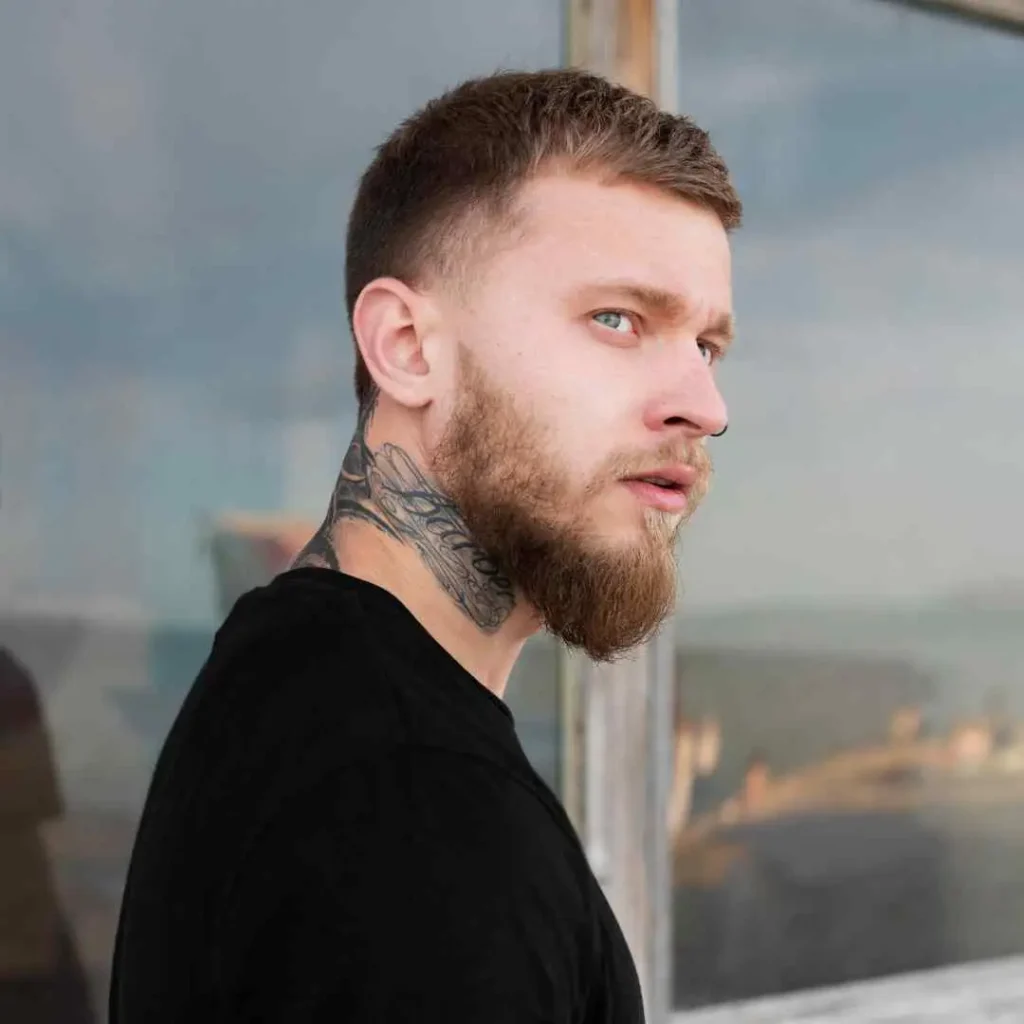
710, 351
615, 320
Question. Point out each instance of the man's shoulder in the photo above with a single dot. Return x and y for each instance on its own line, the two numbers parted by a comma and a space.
500, 795
290, 690
300, 611
434, 814
424, 870
301, 641
421, 791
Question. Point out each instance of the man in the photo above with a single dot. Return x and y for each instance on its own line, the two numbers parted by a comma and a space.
342, 825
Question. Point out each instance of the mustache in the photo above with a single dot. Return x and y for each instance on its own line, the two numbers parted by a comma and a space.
694, 455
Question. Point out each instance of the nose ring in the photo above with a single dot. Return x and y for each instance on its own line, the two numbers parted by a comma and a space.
722, 431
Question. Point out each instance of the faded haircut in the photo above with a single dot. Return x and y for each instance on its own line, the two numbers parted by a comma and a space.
444, 184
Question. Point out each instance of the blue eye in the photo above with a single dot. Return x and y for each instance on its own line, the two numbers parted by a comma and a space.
616, 321
710, 351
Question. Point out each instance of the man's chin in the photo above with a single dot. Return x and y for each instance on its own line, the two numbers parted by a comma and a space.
610, 604
627, 546
605, 646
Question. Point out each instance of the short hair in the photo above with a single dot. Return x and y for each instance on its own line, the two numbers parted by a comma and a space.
449, 175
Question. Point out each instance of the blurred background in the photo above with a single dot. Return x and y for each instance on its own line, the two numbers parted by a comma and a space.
848, 762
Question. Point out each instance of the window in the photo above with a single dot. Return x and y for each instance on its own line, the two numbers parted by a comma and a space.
851, 645
175, 383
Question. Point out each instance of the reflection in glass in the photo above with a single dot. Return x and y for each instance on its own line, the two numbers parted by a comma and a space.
855, 585
175, 385
41, 976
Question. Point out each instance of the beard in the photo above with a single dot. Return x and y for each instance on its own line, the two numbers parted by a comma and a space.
521, 507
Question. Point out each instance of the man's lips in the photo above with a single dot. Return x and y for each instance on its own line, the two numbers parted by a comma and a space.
665, 488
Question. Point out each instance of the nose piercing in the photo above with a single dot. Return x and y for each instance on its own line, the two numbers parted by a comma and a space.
722, 431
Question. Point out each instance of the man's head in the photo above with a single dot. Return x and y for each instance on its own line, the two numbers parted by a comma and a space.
538, 279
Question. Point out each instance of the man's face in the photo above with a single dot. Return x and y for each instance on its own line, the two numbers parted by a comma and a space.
587, 354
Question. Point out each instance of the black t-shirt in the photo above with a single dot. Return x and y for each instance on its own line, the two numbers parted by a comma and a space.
342, 826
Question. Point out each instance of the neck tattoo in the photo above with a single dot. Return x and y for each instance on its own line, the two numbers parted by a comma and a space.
386, 489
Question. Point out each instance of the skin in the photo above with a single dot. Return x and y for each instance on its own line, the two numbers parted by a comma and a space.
582, 350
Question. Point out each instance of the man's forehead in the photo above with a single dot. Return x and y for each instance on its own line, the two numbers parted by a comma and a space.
550, 201
620, 230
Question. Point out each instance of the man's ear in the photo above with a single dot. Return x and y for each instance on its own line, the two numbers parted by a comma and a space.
388, 321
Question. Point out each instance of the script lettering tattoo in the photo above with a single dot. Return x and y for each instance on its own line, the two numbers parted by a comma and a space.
386, 489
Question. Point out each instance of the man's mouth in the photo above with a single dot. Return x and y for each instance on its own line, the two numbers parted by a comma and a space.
667, 491
661, 481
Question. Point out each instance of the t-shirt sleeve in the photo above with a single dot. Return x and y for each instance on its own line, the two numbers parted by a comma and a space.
428, 886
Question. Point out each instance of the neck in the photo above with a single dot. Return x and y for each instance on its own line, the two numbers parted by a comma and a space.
389, 524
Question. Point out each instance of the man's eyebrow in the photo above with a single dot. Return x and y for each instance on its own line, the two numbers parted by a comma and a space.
722, 329
664, 304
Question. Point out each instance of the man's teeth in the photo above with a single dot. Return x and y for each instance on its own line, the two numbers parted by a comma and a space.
660, 481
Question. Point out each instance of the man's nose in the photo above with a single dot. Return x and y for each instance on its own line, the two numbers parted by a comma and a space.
694, 406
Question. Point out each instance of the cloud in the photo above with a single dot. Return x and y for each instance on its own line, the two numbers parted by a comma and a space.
149, 141
89, 173
877, 447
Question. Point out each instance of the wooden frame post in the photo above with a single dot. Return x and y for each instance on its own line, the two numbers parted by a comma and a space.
617, 728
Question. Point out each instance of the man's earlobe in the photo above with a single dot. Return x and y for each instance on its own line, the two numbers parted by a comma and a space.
387, 322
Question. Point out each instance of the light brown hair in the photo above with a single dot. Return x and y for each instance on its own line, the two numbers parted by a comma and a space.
445, 181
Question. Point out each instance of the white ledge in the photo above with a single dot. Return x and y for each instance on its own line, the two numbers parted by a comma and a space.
981, 993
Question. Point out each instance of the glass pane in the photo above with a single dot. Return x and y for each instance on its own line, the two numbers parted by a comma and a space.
851, 739
175, 391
